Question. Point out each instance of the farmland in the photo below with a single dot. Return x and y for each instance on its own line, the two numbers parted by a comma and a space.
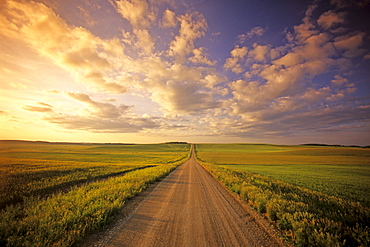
338, 171
317, 195
54, 194
32, 168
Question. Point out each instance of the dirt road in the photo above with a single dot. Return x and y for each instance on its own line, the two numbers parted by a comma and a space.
189, 208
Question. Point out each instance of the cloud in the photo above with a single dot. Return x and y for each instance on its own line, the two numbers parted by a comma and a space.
275, 90
192, 26
181, 89
98, 125
340, 4
112, 67
239, 52
351, 44
236, 55
200, 57
330, 19
184, 98
259, 52
256, 31
97, 79
278, 94
137, 12
144, 41
101, 117
100, 109
169, 19
40, 107
74, 49
338, 80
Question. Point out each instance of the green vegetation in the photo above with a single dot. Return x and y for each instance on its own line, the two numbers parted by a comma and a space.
63, 219
337, 171
33, 168
307, 217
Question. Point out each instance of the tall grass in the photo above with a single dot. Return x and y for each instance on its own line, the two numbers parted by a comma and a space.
307, 218
64, 219
29, 169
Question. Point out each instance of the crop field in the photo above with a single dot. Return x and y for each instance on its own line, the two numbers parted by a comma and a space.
28, 168
54, 194
317, 195
338, 171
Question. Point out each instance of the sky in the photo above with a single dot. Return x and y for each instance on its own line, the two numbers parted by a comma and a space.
148, 71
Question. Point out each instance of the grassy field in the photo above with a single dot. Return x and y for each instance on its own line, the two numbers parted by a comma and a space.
338, 171
38, 210
317, 195
34, 168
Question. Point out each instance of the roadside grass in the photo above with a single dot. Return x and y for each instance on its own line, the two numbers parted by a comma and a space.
306, 216
30, 169
64, 219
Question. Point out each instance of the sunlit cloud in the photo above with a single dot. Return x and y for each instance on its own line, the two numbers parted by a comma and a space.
169, 19
75, 49
40, 107
74, 76
192, 26
136, 12
330, 19
256, 31
98, 116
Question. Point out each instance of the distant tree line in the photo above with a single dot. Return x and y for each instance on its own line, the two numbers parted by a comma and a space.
334, 145
176, 143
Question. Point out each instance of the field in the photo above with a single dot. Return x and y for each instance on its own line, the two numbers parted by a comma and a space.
33, 168
338, 171
317, 195
54, 194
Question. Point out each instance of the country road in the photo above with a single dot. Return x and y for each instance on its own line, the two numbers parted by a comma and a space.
189, 208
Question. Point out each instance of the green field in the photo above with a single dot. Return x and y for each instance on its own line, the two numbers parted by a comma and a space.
36, 168
56, 194
316, 195
339, 171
